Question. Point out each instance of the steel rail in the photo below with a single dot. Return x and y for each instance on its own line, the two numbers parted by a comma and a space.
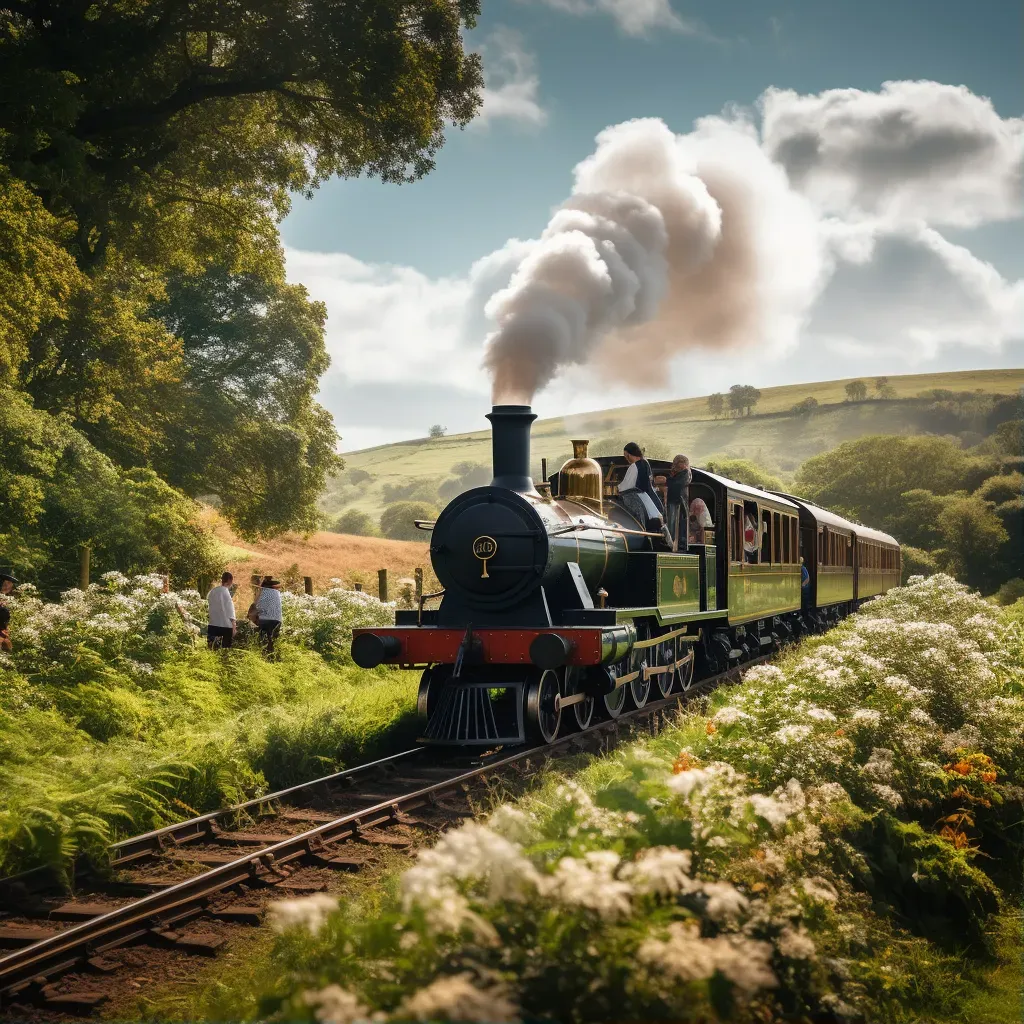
155, 913
148, 843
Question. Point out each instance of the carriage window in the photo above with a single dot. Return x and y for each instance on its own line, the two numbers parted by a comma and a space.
766, 537
777, 554
787, 540
736, 534
821, 546
794, 539
849, 551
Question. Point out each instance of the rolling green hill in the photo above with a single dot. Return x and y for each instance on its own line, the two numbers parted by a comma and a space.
773, 436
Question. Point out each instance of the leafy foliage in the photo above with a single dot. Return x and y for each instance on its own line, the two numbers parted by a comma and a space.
744, 471
743, 397
397, 520
356, 522
114, 717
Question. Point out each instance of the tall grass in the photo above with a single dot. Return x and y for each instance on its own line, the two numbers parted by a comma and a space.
114, 718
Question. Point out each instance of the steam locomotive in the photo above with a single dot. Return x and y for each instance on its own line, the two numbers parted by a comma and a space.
558, 605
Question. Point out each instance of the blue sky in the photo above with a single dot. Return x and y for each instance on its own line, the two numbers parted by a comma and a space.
575, 67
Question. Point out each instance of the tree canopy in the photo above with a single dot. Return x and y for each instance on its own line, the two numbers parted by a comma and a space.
148, 151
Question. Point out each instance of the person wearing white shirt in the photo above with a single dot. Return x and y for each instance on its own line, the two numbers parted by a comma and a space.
221, 629
268, 607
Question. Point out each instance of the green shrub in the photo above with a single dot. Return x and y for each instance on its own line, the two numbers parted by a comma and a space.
743, 471
355, 522
1010, 592
917, 563
396, 521
999, 489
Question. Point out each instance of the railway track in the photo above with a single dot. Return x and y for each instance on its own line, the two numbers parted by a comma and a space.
185, 888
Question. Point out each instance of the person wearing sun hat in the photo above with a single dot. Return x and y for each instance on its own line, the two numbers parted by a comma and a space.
268, 606
7, 584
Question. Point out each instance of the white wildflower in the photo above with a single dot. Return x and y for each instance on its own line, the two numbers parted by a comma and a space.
820, 714
333, 1005
513, 824
819, 888
730, 715
589, 883
793, 733
456, 998
662, 870
887, 795
309, 912
686, 782
724, 901
795, 944
683, 955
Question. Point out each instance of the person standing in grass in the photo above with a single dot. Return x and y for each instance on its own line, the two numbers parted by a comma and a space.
268, 606
222, 626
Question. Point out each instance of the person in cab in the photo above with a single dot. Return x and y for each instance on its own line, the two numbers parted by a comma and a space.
638, 494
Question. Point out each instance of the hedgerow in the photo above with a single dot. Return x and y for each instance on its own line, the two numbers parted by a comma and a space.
833, 836
114, 718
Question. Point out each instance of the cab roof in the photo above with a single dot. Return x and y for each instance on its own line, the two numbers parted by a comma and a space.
751, 492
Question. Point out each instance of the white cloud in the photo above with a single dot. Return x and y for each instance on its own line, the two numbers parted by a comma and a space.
908, 290
912, 151
634, 17
511, 83
859, 273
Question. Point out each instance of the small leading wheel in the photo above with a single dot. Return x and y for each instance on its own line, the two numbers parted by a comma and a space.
431, 683
543, 713
583, 712
639, 659
665, 658
686, 657
615, 702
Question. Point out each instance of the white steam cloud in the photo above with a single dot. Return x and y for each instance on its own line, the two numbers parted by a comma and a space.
667, 243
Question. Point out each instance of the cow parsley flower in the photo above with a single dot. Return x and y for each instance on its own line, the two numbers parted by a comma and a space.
309, 912
456, 998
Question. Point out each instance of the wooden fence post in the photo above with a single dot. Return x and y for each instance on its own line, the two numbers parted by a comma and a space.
382, 584
83, 566
307, 583
358, 588
419, 585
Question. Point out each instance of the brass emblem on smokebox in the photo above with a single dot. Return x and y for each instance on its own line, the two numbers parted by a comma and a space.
679, 586
485, 548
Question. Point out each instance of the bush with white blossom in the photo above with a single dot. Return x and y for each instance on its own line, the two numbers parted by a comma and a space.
790, 847
115, 718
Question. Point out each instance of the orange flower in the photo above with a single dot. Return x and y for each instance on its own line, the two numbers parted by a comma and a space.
960, 768
684, 762
958, 839
988, 776
839, 734
711, 728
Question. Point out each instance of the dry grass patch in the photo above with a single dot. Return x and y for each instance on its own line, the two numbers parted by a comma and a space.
324, 556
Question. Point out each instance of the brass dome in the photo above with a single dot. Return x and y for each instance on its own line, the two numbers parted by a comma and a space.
581, 479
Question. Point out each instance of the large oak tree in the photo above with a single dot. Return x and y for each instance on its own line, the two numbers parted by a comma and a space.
150, 148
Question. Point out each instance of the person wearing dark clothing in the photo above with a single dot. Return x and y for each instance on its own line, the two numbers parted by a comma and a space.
7, 584
638, 493
678, 493
268, 605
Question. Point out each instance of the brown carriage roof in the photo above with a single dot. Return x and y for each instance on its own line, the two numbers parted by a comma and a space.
836, 522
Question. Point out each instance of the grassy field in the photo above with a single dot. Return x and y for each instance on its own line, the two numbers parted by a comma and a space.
773, 436
323, 556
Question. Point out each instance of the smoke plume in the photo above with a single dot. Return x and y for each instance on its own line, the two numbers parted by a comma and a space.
662, 247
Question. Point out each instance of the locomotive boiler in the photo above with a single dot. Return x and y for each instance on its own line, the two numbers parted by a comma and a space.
558, 605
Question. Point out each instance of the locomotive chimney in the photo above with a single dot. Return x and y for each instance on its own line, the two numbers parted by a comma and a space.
510, 445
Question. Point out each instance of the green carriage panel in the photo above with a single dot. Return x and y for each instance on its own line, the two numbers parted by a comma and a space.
835, 584
871, 582
711, 575
757, 591
678, 583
